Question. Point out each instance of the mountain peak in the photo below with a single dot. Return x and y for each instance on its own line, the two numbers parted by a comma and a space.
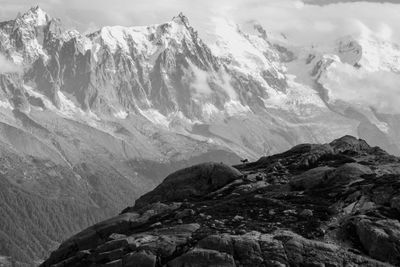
35, 16
35, 9
181, 18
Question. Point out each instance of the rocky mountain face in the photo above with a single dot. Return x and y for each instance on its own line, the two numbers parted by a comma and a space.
333, 204
167, 75
89, 122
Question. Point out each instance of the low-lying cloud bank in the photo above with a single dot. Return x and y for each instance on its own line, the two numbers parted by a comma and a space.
378, 89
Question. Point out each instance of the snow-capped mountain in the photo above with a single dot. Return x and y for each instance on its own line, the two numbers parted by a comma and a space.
111, 112
358, 77
164, 73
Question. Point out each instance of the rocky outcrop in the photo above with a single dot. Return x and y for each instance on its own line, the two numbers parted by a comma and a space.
338, 210
196, 181
349, 143
380, 238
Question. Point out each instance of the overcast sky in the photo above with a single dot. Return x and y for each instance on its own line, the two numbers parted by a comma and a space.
305, 21
328, 2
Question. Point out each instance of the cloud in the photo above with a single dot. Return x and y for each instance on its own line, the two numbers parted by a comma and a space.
200, 83
311, 24
303, 22
6, 66
376, 89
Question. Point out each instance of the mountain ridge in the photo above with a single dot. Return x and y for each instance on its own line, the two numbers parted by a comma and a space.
329, 204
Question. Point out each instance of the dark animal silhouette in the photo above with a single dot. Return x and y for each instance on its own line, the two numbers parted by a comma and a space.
244, 161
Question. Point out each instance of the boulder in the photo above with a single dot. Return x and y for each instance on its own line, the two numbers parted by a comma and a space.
247, 251
306, 213
111, 245
221, 243
164, 242
381, 239
199, 257
351, 143
250, 187
195, 181
310, 178
395, 203
339, 180
305, 252
140, 259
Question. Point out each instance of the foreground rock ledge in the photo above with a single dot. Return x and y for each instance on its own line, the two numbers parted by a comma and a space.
335, 204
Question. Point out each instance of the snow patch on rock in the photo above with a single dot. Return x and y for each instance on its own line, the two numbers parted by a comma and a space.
122, 114
155, 117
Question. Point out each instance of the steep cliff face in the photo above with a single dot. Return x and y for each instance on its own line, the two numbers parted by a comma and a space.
115, 70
